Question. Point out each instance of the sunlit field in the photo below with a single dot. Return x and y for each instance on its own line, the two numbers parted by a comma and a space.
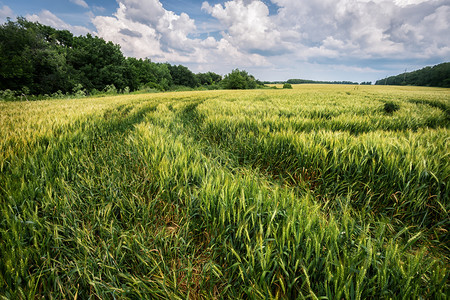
321, 191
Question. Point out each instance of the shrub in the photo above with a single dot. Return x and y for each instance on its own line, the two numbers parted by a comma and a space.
153, 86
58, 95
287, 86
213, 86
110, 89
7, 95
78, 90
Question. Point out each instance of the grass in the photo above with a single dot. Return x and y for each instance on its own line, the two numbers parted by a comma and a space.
314, 192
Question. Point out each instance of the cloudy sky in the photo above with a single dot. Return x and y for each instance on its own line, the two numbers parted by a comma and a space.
357, 40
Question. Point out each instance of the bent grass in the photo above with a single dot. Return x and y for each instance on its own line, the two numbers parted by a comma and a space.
305, 193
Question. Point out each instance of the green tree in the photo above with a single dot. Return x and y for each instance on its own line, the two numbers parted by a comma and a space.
33, 57
164, 77
39, 59
17, 45
239, 80
438, 75
97, 63
208, 78
181, 75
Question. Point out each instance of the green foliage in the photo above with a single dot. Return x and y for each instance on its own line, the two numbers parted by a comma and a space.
58, 95
151, 85
239, 80
209, 78
144, 72
110, 89
28, 57
78, 90
287, 86
7, 95
182, 76
438, 76
213, 87
45, 60
97, 63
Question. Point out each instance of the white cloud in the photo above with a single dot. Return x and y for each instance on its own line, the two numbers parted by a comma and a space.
368, 29
409, 2
47, 18
81, 3
5, 12
337, 32
248, 26
112, 29
146, 29
98, 8
297, 34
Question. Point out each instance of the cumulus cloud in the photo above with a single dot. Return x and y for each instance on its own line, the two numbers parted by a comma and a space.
283, 36
346, 32
81, 3
116, 28
147, 29
130, 33
367, 28
248, 26
408, 2
47, 18
5, 12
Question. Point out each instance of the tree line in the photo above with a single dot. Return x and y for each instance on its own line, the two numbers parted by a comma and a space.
36, 59
300, 81
437, 76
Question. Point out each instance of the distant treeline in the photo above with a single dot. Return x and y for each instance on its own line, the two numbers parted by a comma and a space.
438, 76
36, 59
300, 81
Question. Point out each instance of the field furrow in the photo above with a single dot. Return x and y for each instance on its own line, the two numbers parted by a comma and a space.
316, 192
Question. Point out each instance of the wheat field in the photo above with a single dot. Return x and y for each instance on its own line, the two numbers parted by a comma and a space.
321, 192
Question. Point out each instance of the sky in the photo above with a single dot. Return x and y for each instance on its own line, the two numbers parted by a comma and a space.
330, 40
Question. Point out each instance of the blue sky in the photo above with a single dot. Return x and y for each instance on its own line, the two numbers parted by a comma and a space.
357, 40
